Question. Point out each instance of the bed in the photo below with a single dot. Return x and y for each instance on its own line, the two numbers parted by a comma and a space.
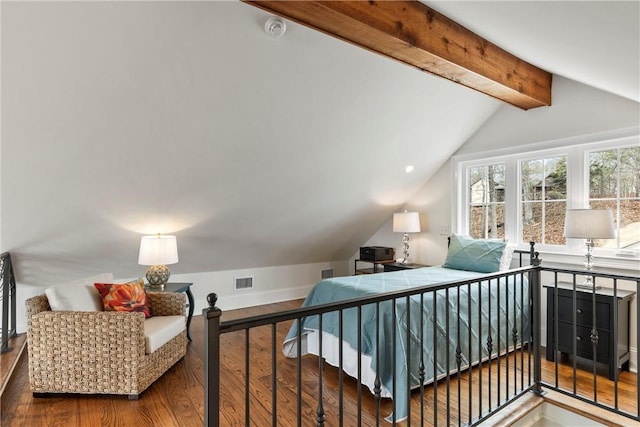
474, 309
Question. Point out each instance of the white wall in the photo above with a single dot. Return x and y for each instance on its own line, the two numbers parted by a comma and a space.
270, 285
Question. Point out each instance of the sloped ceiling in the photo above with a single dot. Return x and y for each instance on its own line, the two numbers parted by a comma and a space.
120, 119
596, 43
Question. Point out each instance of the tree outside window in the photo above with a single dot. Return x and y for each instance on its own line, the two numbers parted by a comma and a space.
614, 183
544, 200
486, 201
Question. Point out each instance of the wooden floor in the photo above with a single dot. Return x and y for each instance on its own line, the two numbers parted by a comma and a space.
177, 398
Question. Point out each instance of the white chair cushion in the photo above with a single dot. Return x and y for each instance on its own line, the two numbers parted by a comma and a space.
79, 295
158, 330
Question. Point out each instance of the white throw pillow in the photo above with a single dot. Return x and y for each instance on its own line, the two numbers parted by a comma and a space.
79, 295
507, 256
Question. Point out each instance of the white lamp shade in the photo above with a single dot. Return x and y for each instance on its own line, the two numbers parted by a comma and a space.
158, 250
589, 224
406, 222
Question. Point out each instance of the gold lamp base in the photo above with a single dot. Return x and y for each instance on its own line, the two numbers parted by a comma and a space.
158, 276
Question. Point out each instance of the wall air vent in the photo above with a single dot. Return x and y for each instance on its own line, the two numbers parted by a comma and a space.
327, 274
244, 283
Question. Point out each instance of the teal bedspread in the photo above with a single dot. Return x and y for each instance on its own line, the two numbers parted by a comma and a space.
466, 317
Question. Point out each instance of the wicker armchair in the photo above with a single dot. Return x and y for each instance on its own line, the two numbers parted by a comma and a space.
98, 352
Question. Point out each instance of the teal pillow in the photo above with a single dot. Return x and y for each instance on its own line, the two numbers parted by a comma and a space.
481, 255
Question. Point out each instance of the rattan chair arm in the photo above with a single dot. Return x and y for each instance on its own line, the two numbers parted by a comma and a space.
36, 305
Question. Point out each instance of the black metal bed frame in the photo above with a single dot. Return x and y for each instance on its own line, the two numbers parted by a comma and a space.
529, 345
8, 296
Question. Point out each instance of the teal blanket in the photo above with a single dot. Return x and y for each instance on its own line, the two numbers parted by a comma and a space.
467, 308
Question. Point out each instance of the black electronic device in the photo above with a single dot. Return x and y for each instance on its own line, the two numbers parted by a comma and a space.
377, 253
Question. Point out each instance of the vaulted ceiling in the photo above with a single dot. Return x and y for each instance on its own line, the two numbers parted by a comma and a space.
125, 118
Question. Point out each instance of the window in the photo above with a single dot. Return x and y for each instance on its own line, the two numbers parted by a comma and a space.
486, 201
614, 183
544, 200
523, 196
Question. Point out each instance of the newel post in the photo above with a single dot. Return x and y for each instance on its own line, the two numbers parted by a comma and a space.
536, 286
212, 362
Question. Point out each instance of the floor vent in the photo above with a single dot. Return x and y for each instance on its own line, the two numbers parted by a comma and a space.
327, 274
244, 283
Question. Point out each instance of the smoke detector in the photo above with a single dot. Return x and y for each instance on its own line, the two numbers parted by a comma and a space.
275, 27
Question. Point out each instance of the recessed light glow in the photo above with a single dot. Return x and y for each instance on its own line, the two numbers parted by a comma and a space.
409, 169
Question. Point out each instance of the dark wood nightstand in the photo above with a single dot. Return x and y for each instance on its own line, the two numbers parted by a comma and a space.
606, 328
397, 266
372, 266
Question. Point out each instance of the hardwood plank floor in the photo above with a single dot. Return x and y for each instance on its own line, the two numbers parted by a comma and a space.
9, 360
177, 398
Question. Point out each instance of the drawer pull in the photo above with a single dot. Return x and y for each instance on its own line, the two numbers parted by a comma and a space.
579, 311
578, 338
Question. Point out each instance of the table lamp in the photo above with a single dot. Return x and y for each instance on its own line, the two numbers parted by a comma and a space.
588, 224
406, 222
157, 251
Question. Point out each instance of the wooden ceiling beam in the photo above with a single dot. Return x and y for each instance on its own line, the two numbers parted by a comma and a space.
417, 35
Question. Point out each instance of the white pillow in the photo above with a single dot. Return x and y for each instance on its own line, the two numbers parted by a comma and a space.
79, 295
507, 255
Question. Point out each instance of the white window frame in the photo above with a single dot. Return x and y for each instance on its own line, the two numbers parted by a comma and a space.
577, 151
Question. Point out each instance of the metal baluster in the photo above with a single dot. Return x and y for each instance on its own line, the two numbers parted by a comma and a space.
574, 326
299, 370
458, 353
359, 327
274, 378
506, 337
530, 337
448, 380
480, 347
489, 343
393, 358
555, 325
470, 359
340, 370
435, 359
320, 412
498, 348
376, 383
522, 333
247, 397
615, 340
594, 340
421, 373
408, 346
514, 336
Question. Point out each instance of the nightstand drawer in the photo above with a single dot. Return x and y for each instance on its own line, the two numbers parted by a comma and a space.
584, 346
616, 353
584, 311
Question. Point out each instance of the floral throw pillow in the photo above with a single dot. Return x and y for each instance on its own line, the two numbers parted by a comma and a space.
124, 297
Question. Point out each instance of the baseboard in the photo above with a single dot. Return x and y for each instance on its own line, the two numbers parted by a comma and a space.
249, 299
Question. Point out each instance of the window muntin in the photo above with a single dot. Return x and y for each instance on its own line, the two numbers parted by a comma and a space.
614, 183
486, 201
